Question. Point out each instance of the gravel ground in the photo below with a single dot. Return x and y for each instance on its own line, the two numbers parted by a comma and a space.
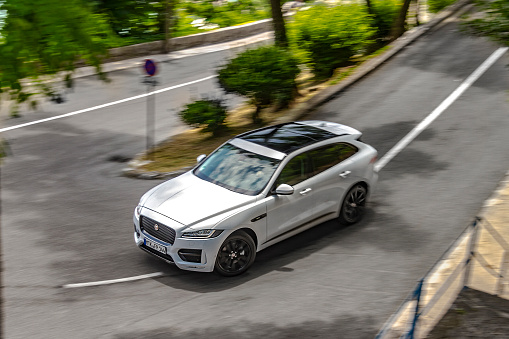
474, 314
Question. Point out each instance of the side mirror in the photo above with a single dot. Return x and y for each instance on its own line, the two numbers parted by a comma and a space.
284, 189
200, 158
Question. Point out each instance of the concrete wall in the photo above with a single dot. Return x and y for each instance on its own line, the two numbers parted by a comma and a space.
195, 40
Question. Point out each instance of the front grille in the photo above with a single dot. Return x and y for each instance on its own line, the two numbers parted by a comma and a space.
166, 257
164, 233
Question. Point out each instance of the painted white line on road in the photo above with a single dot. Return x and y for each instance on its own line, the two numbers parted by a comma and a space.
114, 281
85, 110
440, 109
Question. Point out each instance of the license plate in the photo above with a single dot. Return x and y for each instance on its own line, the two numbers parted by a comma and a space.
154, 245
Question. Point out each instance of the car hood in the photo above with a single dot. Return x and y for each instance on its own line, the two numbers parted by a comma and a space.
188, 199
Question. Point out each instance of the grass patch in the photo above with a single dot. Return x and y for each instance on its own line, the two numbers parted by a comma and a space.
181, 150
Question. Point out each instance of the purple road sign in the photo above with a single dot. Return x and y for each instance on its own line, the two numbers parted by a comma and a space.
150, 67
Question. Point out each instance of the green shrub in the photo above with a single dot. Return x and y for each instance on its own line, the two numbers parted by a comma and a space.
208, 112
437, 5
496, 22
385, 13
265, 75
327, 37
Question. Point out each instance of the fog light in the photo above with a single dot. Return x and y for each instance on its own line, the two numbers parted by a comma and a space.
190, 255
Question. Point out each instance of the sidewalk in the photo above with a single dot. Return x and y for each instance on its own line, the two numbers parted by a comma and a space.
491, 259
469, 285
482, 310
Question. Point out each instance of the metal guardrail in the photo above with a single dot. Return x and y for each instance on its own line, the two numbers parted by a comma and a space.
436, 291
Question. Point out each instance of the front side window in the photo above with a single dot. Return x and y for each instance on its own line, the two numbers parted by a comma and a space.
238, 170
296, 170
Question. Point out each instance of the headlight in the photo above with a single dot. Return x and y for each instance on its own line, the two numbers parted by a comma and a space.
202, 234
137, 211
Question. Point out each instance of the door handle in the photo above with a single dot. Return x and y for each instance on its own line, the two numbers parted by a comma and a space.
306, 191
345, 174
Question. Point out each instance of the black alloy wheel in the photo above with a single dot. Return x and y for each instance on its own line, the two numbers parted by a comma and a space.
235, 255
353, 205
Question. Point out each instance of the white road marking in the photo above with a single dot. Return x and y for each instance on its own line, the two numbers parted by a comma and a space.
378, 166
440, 109
85, 110
114, 281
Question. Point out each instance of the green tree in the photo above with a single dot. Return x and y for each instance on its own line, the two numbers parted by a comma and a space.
135, 20
327, 37
384, 13
42, 38
437, 5
265, 75
126, 17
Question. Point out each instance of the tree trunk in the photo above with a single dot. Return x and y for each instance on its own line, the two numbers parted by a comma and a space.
417, 10
279, 23
399, 26
168, 13
368, 4
256, 115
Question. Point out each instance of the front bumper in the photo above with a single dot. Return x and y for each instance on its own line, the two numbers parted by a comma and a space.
187, 254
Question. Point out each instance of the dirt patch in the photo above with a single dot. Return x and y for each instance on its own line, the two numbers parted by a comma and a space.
474, 314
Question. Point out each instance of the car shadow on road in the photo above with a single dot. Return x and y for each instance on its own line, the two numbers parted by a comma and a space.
384, 232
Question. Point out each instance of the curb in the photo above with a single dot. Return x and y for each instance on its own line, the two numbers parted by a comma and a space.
133, 172
331, 92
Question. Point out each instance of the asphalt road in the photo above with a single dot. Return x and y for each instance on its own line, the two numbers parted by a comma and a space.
67, 212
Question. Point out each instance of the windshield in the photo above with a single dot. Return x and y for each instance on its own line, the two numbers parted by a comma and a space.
238, 170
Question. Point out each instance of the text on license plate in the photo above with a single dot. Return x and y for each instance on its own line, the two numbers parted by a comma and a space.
154, 245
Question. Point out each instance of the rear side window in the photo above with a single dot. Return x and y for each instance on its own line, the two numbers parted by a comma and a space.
328, 156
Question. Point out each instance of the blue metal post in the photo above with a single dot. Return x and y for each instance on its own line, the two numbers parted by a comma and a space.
417, 296
471, 250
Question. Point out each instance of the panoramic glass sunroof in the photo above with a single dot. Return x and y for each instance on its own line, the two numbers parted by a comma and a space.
287, 138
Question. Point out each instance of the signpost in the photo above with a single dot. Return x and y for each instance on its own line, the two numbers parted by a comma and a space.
151, 70
4, 151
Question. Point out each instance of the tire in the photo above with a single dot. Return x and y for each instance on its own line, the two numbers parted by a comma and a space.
353, 205
236, 254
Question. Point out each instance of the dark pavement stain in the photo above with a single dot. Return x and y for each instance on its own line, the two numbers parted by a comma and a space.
119, 158
384, 137
414, 162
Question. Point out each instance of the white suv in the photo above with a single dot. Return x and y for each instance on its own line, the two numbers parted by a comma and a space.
255, 190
